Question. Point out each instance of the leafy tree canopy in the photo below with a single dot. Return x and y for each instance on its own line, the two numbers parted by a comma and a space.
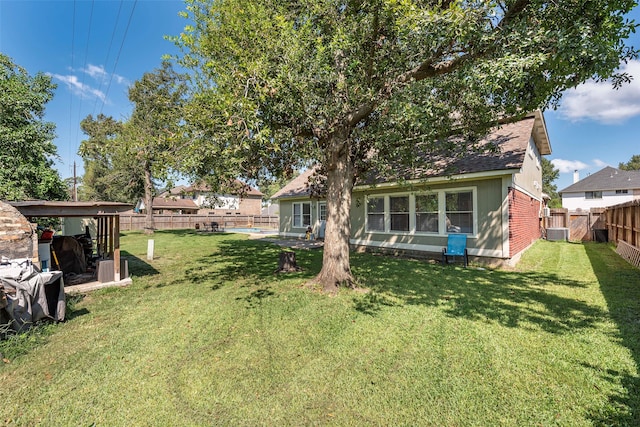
110, 174
549, 174
26, 140
354, 85
152, 135
632, 165
125, 160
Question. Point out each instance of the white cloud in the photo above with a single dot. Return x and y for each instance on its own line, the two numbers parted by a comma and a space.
83, 90
599, 163
96, 71
602, 103
566, 166
99, 73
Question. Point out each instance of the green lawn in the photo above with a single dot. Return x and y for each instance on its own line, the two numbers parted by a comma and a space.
208, 335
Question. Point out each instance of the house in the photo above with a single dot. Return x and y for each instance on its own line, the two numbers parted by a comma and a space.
607, 187
199, 199
495, 198
170, 205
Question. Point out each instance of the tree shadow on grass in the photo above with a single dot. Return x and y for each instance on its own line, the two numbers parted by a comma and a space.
620, 285
512, 299
247, 262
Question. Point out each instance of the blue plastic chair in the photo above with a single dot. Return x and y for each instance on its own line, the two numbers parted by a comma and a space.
456, 246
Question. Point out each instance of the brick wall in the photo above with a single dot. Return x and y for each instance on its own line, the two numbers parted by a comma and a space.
524, 221
17, 237
250, 205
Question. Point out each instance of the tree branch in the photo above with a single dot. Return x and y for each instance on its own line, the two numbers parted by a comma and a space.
428, 69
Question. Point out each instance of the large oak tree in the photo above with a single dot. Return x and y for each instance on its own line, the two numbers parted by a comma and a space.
355, 85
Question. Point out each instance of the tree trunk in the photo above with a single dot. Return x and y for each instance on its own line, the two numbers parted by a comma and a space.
149, 224
287, 263
336, 269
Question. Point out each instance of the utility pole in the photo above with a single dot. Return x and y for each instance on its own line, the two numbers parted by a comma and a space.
75, 181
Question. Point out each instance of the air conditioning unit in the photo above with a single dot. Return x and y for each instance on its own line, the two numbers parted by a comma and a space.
557, 234
546, 212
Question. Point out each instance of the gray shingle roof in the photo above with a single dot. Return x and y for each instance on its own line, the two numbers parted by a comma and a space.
511, 140
608, 178
296, 187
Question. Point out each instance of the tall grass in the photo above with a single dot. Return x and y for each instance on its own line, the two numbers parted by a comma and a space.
209, 335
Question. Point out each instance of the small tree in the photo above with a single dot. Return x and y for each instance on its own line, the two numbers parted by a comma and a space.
26, 140
356, 85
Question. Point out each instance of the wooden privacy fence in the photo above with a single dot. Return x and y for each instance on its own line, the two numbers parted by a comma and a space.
582, 225
623, 222
129, 222
623, 225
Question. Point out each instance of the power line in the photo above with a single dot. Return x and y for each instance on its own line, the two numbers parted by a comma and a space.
106, 61
115, 65
73, 42
84, 73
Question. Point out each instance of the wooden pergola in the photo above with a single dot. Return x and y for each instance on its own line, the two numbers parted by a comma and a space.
106, 213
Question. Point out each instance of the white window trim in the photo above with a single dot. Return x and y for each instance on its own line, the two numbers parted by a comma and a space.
387, 221
293, 215
438, 212
412, 212
388, 212
320, 205
443, 207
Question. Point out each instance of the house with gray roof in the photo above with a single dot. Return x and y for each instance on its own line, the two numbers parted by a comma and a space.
607, 187
494, 197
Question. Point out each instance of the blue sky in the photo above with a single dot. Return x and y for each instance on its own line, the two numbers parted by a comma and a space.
95, 49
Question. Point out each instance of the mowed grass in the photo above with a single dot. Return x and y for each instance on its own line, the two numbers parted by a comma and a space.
208, 335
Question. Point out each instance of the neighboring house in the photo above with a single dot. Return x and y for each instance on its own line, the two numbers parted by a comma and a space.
247, 200
607, 187
495, 198
169, 205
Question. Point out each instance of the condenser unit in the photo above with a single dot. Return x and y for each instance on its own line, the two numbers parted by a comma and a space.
557, 234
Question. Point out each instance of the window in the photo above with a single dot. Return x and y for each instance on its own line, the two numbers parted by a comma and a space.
593, 195
459, 212
322, 211
622, 191
427, 213
399, 213
375, 214
301, 215
423, 213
